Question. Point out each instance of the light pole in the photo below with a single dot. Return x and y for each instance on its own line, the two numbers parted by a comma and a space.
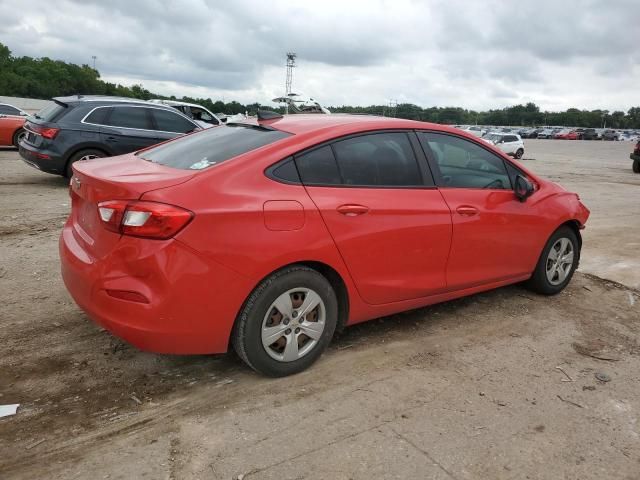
94, 61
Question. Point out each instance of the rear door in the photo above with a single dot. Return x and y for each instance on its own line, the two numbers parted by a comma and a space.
168, 124
389, 222
128, 128
494, 234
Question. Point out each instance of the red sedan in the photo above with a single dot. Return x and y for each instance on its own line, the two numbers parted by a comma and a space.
572, 135
270, 236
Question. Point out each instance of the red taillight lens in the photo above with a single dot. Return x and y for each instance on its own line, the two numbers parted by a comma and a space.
46, 132
143, 219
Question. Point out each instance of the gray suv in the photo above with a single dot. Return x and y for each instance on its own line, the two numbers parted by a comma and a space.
88, 127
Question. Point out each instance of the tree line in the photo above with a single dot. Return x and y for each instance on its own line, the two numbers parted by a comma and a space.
46, 78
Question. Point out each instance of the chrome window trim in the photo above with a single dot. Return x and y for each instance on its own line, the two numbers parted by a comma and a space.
139, 129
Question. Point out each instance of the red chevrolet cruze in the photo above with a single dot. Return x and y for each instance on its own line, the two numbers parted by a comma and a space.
269, 236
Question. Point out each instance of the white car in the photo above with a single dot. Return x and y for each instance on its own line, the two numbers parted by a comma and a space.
475, 130
197, 113
509, 143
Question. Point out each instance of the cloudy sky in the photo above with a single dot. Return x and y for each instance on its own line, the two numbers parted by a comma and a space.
475, 54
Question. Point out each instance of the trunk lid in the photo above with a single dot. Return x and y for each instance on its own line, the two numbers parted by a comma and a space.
118, 178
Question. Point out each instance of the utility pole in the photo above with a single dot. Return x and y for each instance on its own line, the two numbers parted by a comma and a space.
94, 61
291, 64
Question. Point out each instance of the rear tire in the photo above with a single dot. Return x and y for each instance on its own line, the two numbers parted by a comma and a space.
519, 153
636, 166
557, 264
88, 154
18, 136
270, 334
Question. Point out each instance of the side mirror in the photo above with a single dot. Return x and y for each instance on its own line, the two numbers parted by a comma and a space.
523, 188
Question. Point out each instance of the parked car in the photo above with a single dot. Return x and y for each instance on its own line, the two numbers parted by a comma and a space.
546, 133
88, 127
534, 133
590, 134
270, 235
197, 113
509, 143
568, 135
610, 135
635, 156
11, 123
475, 130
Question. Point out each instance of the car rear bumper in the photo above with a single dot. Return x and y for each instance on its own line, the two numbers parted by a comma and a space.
192, 304
43, 160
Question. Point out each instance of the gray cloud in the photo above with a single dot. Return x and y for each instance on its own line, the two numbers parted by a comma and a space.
473, 54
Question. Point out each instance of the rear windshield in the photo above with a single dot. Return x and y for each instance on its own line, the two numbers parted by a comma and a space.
50, 112
212, 146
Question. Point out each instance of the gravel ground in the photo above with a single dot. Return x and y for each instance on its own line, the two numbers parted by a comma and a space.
501, 385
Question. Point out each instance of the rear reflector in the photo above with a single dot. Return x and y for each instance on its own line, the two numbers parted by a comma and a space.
128, 295
143, 219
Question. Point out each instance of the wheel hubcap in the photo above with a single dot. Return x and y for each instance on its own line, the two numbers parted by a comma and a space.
559, 261
293, 324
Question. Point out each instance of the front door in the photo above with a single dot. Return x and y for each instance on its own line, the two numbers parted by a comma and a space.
390, 224
494, 234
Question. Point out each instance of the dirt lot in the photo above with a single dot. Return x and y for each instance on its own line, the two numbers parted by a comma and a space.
500, 385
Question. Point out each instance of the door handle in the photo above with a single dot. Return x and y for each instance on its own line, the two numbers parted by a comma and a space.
352, 210
467, 210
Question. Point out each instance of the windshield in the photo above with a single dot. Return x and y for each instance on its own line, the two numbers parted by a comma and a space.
212, 146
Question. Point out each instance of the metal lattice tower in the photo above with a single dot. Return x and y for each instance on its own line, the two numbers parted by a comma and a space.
291, 64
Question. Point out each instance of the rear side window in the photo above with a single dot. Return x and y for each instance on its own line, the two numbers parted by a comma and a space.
378, 160
319, 167
97, 116
212, 146
129, 117
168, 121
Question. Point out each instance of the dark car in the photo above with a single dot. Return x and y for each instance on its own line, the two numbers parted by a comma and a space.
635, 156
590, 134
87, 127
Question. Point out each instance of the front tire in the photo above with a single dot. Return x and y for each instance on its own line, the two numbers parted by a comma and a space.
88, 154
558, 261
519, 153
287, 322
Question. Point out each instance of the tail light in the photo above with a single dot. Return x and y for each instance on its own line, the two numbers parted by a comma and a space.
46, 132
143, 219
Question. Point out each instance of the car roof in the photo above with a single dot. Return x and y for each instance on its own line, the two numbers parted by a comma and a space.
305, 123
97, 98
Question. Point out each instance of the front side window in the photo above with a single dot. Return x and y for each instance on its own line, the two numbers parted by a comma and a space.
167, 121
463, 164
212, 146
129, 117
378, 160
202, 115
